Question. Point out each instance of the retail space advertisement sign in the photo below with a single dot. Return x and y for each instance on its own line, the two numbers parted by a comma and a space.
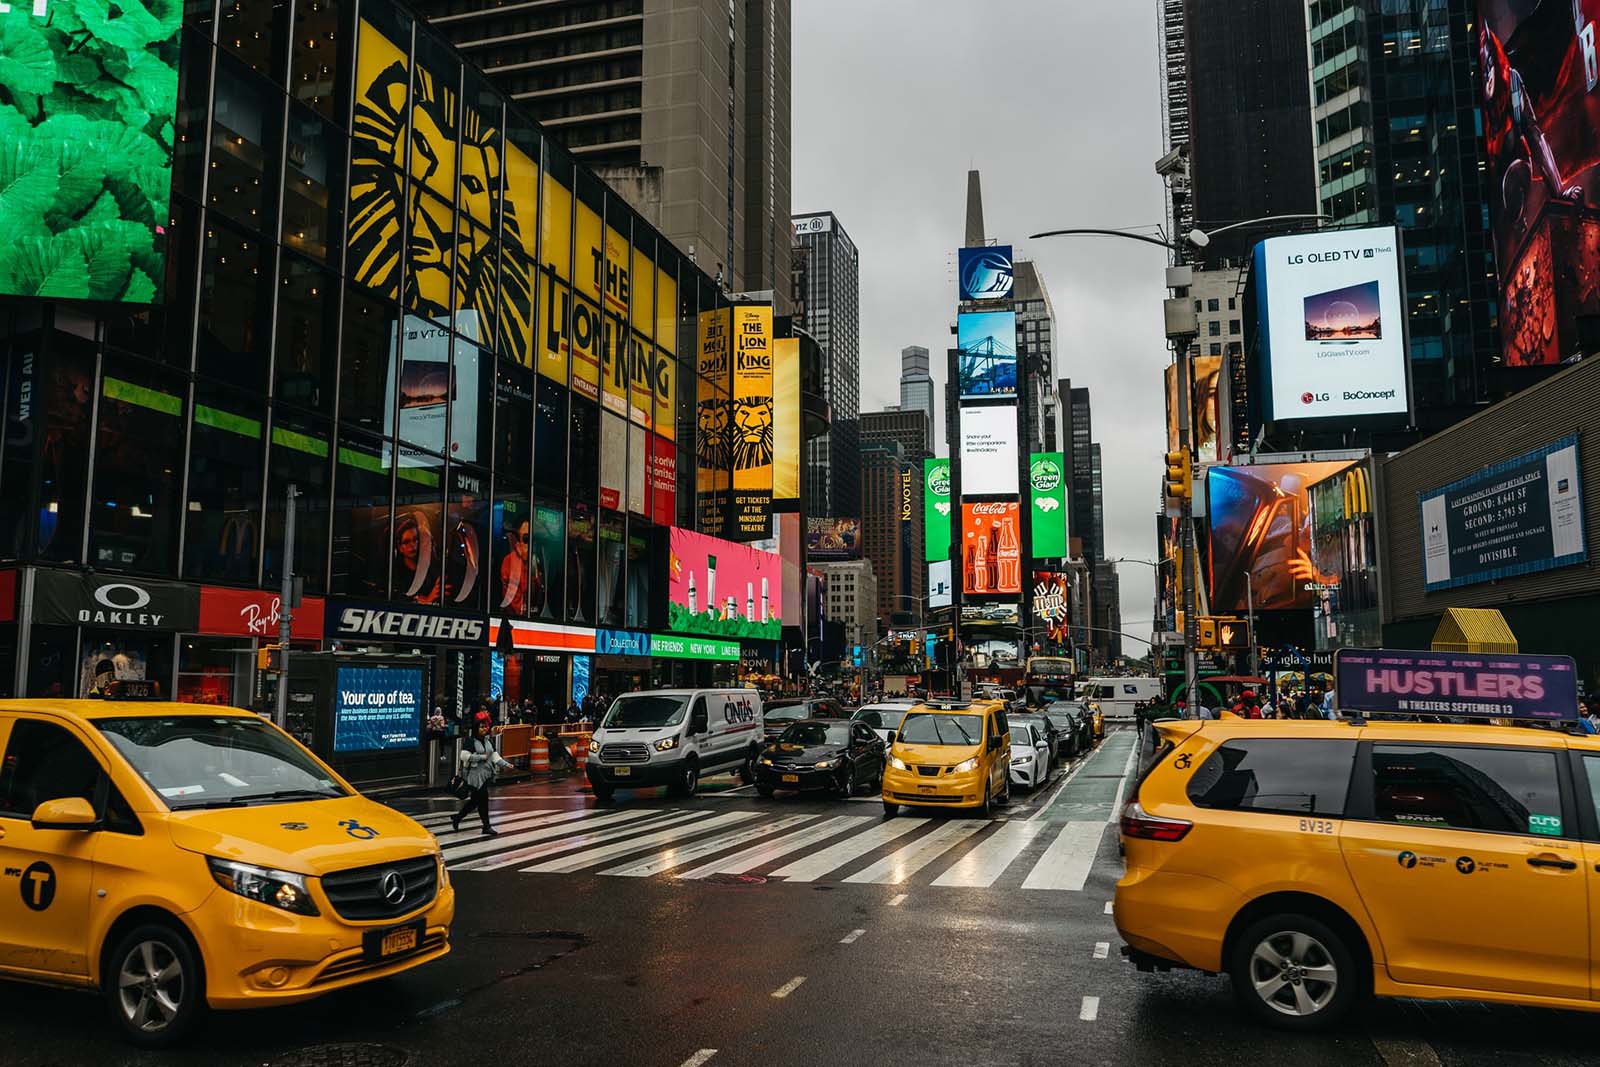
357, 621
1333, 324
1047, 489
936, 508
621, 643
671, 646
989, 451
991, 549
752, 421
1489, 685
1052, 602
256, 613
378, 709
114, 602
1518, 517
723, 589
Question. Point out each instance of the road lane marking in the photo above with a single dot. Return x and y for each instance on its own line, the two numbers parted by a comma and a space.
1084, 762
850, 938
1405, 1053
1108, 907
788, 987
699, 1058
587, 835
902, 864
1102, 949
505, 826
1090, 1010
816, 865
983, 866
677, 857
750, 858
590, 857
555, 826
1066, 863
442, 818
1127, 769
898, 899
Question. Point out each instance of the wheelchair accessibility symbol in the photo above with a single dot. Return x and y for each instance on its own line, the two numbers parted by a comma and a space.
354, 828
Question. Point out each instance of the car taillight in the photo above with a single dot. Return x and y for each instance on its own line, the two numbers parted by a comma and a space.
1136, 822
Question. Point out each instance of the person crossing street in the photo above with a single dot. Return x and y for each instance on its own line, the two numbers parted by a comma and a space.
479, 764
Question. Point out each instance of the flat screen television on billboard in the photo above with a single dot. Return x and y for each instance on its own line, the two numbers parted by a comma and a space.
379, 709
987, 361
1333, 325
989, 451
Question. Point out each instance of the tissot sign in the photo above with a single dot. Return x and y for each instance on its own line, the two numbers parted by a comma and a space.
114, 601
351, 620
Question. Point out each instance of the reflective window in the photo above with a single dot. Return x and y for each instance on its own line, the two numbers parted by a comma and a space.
550, 438
361, 487
189, 125
547, 559
513, 424
161, 331
581, 563
612, 602
1276, 774
255, 31
234, 309
137, 469
244, 144
471, 420
366, 380
511, 534
313, 197
64, 452
300, 455
317, 40
584, 471
418, 528
466, 539
639, 579
222, 539
307, 337
1466, 787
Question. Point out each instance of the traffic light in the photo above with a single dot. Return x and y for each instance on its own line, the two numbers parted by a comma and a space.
1180, 478
269, 658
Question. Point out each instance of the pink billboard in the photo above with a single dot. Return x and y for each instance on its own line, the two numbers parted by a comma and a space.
723, 589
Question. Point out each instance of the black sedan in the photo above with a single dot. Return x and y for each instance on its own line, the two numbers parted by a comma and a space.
779, 714
831, 754
1081, 717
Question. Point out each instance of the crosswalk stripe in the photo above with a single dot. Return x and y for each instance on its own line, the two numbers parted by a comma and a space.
467, 837
677, 857
902, 864
812, 867
472, 831
740, 862
494, 847
439, 818
1065, 864
983, 866
585, 840
592, 856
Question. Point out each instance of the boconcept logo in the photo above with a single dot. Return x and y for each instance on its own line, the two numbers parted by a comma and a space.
987, 277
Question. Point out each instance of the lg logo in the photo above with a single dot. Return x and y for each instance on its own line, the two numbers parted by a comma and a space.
1313, 398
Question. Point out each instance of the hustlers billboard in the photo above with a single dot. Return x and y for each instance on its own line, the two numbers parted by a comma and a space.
1489, 685
1541, 130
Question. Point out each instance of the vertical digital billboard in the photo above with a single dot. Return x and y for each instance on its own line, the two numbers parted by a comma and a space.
786, 419
88, 102
723, 589
987, 364
940, 584
752, 422
1047, 489
1333, 325
991, 549
1541, 131
989, 451
713, 418
936, 508
1261, 540
985, 273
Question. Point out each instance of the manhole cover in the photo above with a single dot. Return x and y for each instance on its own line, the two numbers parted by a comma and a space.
736, 881
349, 1055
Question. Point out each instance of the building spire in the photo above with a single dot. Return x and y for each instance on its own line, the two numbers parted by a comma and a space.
975, 236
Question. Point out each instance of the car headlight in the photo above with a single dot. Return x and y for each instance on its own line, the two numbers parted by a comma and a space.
827, 764
666, 744
897, 763
278, 889
444, 873
766, 761
1021, 759
965, 765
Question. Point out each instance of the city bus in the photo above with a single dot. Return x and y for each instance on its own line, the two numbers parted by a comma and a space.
1047, 679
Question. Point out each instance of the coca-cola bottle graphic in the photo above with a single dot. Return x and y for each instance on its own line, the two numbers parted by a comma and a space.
980, 565
969, 573
1010, 554
995, 584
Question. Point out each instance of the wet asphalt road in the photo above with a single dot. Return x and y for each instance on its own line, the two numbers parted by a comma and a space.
585, 968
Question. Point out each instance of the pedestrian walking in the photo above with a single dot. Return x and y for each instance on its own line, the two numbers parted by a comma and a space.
479, 764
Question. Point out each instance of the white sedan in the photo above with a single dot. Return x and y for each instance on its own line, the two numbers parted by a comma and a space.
1030, 756
884, 717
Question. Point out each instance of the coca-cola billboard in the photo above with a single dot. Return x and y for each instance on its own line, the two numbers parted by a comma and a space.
991, 549
256, 613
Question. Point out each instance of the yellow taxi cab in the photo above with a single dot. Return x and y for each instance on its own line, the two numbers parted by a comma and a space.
1319, 862
950, 755
1099, 721
176, 857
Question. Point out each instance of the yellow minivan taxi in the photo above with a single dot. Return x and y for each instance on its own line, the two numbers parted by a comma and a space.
1318, 862
954, 755
176, 857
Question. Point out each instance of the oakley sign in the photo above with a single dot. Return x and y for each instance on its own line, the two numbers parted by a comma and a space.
114, 601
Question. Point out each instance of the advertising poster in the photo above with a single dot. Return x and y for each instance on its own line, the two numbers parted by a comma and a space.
418, 552
936, 508
1052, 603
713, 416
989, 451
665, 386
638, 466
985, 273
581, 565
1047, 490
828, 540
662, 480
430, 386
752, 421
511, 533
546, 557
786, 415
1207, 407
121, 661
1518, 517
991, 549
466, 532
723, 589
1345, 552
88, 97
613, 460
791, 547
1006, 614
1260, 526
379, 709
941, 583
1333, 324
987, 363
1541, 131
1476, 685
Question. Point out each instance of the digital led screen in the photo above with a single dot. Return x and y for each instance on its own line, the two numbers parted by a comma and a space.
988, 451
987, 362
379, 708
1261, 527
723, 589
986, 272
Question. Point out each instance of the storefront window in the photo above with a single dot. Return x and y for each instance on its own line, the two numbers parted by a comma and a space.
313, 197
64, 452
234, 308
214, 670
361, 517
307, 338
299, 455
222, 539
467, 538
137, 469
581, 563
547, 560
244, 146
550, 439
366, 381
52, 662
512, 535
418, 528
611, 570
318, 40
638, 579
513, 424
119, 656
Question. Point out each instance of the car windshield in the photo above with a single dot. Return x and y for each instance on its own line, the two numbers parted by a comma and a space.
941, 729
207, 761
815, 733
646, 710
881, 718
1060, 718
1021, 734
785, 713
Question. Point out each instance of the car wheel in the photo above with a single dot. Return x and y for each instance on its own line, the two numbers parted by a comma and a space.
846, 785
890, 810
688, 782
747, 769
1294, 972
877, 780
987, 808
603, 794
764, 790
153, 985
1005, 798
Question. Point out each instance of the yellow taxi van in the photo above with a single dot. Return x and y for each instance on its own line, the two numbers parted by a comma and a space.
1320, 862
175, 857
950, 755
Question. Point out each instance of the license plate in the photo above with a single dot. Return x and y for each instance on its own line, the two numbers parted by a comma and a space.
623, 772
791, 777
398, 941
924, 788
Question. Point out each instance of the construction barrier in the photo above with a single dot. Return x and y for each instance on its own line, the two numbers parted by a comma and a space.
580, 751
538, 755
514, 744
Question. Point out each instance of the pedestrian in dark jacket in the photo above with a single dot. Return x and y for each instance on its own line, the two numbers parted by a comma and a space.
479, 762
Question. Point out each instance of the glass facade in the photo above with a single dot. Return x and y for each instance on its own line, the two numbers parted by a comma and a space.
387, 288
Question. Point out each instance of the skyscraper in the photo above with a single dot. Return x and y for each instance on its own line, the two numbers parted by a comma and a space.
916, 388
1035, 352
682, 105
883, 513
1085, 515
827, 293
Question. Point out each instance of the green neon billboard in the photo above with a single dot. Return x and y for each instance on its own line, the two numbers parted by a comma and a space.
936, 509
1047, 488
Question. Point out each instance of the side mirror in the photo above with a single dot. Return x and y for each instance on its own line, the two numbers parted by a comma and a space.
892, 735
65, 813
994, 741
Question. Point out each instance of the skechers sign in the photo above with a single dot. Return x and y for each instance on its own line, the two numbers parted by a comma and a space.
114, 601
350, 620
1493, 685
986, 273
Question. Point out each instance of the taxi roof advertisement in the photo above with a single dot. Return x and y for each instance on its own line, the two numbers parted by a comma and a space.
1458, 684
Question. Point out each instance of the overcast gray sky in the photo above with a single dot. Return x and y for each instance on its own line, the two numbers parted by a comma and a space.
1057, 105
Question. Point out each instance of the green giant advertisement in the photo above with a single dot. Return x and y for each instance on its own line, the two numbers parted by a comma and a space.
936, 509
1047, 487
88, 96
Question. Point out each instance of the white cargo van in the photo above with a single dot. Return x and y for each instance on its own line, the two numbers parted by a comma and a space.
674, 737
1118, 697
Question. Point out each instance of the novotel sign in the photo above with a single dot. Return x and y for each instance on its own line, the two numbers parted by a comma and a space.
1456, 684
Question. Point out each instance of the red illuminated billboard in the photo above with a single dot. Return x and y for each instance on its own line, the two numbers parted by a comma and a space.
991, 549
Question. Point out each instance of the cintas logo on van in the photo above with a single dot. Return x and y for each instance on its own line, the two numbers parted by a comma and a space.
738, 710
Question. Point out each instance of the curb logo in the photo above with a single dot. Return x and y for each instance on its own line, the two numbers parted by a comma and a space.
38, 886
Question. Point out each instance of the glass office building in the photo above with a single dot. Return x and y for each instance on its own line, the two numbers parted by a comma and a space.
385, 287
